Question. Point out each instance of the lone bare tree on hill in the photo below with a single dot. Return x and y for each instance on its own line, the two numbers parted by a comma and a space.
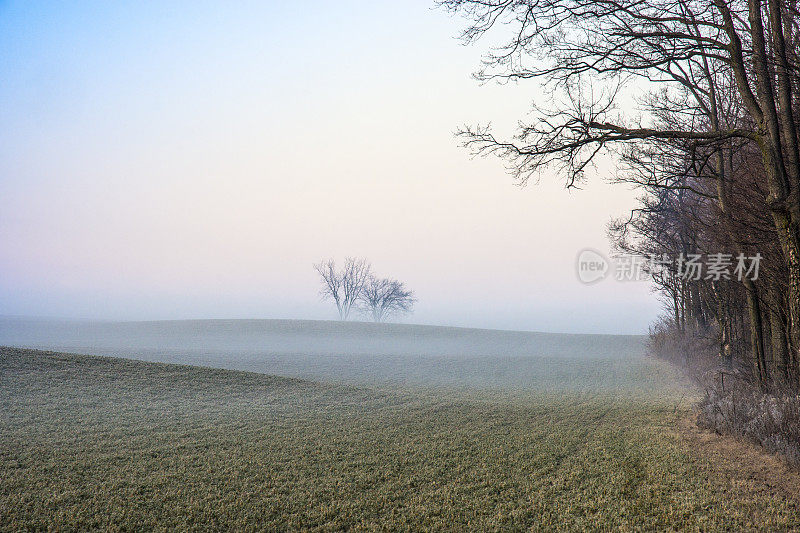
343, 286
382, 297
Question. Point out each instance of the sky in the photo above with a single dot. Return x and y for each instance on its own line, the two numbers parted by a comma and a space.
166, 160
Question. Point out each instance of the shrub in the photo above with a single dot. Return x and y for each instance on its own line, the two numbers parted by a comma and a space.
733, 404
771, 420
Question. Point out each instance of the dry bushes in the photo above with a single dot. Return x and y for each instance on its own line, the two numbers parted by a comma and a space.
733, 403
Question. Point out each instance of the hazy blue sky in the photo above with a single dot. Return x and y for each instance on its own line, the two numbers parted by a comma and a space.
193, 159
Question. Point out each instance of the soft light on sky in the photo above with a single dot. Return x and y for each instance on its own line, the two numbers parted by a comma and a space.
193, 159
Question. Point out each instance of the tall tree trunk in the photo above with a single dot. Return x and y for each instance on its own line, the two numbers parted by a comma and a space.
790, 244
780, 349
782, 174
766, 332
756, 333
697, 308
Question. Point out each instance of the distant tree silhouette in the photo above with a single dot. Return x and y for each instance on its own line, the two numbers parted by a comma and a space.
343, 286
382, 297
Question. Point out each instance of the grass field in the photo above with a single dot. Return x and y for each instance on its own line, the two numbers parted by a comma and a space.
91, 442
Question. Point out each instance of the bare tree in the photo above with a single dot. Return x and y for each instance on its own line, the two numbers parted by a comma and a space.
343, 286
724, 81
382, 297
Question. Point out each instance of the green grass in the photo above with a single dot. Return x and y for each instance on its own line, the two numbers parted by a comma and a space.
98, 443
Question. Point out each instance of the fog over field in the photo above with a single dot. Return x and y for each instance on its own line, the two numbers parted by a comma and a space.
354, 352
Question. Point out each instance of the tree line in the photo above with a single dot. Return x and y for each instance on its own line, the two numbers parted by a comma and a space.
354, 287
713, 145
